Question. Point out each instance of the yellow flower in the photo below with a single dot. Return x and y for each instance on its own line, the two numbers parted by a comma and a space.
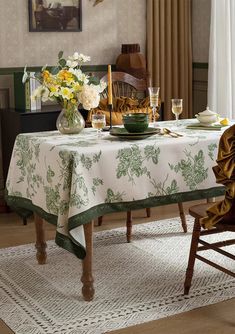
46, 75
54, 90
65, 75
73, 101
77, 87
66, 93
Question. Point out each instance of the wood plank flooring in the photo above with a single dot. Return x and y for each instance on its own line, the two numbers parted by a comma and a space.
214, 319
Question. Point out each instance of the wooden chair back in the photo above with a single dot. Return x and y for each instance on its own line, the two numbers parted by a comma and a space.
124, 84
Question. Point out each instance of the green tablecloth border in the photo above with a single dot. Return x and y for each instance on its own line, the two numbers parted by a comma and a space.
24, 207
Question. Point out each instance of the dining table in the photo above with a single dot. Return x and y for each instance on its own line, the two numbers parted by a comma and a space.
70, 180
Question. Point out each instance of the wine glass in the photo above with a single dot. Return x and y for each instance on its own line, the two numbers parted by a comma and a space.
98, 122
177, 108
153, 96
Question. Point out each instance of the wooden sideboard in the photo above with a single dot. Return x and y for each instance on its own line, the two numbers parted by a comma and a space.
15, 121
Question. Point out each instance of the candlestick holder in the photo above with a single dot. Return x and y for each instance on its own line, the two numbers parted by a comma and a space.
108, 128
110, 106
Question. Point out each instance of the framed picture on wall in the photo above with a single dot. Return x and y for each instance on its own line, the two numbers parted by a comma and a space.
59, 15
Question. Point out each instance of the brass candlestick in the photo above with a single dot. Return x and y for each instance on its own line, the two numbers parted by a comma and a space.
108, 128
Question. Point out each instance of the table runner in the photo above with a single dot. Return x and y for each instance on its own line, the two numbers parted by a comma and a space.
71, 179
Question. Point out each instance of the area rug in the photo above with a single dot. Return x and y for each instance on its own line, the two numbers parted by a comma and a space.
135, 283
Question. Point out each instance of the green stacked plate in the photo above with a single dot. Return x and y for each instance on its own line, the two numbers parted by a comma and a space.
124, 134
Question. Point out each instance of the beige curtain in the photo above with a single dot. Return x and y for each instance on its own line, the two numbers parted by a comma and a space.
169, 52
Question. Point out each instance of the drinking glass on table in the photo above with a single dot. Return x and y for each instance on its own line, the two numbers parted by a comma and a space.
153, 97
98, 122
177, 108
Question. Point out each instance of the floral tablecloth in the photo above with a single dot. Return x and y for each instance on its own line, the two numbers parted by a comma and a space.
71, 179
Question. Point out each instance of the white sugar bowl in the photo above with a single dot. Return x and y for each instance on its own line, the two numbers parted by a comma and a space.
207, 117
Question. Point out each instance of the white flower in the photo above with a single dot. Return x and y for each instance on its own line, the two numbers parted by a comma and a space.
83, 59
45, 94
71, 63
74, 56
102, 85
79, 75
79, 57
66, 93
89, 97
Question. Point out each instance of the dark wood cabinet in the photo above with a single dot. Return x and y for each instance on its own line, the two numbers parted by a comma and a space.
14, 122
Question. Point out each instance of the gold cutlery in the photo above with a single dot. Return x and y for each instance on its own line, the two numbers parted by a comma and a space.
171, 133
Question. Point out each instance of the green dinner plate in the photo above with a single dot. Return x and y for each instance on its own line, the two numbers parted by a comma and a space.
124, 134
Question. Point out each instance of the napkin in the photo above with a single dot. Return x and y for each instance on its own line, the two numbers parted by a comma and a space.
122, 105
199, 126
225, 174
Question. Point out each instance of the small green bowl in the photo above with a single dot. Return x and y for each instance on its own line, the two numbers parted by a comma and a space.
135, 122
138, 117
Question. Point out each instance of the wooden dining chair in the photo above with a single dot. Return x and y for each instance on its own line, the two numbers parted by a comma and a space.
124, 84
215, 217
198, 244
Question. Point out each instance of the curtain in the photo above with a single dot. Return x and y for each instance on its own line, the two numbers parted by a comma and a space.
169, 52
221, 75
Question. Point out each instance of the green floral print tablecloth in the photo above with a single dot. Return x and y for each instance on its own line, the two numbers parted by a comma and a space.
71, 179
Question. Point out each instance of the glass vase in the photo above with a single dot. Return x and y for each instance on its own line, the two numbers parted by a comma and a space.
70, 121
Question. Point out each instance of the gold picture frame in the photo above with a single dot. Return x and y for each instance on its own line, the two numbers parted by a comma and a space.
59, 16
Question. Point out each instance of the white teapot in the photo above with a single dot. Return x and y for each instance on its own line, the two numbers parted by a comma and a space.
207, 117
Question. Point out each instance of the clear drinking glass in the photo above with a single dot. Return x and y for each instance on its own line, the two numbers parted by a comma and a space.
153, 96
177, 108
98, 122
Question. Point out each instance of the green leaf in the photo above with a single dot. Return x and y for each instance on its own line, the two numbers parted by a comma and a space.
60, 54
55, 70
94, 80
62, 62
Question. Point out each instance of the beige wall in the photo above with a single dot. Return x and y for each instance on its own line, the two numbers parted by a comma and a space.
104, 28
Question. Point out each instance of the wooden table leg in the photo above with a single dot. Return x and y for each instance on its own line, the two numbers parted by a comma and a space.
40, 245
88, 290
128, 226
182, 217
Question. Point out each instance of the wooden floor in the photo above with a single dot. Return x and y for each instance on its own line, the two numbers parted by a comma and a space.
213, 319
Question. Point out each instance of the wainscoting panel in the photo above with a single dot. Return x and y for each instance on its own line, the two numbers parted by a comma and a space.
200, 82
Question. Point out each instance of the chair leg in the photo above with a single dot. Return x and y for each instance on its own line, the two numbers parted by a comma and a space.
100, 220
128, 226
148, 212
182, 217
192, 255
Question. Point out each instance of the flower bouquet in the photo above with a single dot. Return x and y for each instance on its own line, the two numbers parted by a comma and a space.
70, 87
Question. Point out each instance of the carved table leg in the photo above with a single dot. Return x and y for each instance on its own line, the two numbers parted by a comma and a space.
88, 290
182, 217
128, 226
40, 240
148, 212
